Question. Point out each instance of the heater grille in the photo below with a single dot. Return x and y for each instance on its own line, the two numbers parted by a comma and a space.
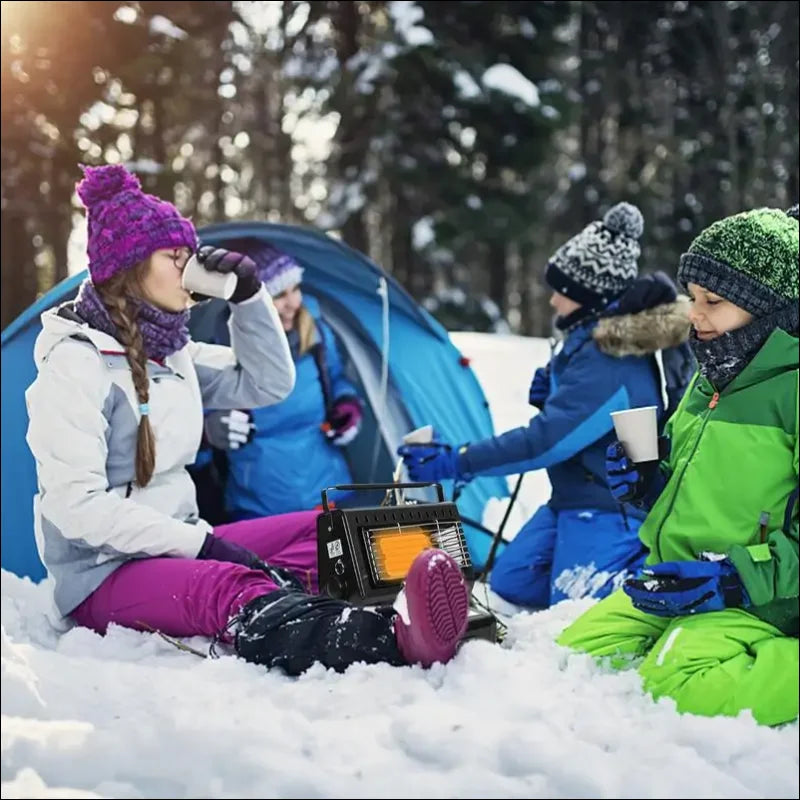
391, 549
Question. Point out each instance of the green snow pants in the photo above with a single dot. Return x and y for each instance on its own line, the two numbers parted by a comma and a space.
716, 663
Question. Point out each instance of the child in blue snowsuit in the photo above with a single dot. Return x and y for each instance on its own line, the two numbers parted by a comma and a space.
278, 458
616, 329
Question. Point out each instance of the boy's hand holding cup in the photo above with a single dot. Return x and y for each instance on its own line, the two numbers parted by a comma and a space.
632, 461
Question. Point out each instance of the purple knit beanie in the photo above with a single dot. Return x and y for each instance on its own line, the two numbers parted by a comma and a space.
126, 225
277, 270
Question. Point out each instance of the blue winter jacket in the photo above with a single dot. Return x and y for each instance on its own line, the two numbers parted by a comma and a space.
603, 366
289, 460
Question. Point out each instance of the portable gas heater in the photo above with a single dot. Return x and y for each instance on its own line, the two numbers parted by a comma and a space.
365, 553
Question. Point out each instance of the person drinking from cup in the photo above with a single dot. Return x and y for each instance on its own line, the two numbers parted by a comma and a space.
713, 617
613, 324
116, 413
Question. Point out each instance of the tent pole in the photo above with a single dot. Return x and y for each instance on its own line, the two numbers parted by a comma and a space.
383, 293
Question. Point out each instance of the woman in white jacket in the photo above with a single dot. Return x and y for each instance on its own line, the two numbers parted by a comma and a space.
116, 414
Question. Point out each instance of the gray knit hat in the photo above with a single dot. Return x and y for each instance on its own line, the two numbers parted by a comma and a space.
598, 264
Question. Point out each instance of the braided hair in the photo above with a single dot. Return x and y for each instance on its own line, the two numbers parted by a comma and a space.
115, 294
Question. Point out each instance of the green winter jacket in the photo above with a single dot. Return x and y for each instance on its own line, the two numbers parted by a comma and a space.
733, 473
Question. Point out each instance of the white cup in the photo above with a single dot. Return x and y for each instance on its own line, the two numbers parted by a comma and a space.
423, 435
637, 430
197, 279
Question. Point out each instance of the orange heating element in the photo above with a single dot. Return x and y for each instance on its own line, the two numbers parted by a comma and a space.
394, 550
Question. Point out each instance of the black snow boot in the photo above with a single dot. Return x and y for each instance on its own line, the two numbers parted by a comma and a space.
291, 630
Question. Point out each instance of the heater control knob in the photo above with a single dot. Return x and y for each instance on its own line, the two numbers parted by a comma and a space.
336, 588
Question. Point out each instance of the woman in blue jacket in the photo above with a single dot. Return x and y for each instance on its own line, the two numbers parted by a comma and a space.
280, 457
623, 346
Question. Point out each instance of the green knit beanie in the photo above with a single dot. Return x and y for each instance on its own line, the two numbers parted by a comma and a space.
750, 259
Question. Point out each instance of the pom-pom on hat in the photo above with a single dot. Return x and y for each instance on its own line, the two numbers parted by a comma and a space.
598, 264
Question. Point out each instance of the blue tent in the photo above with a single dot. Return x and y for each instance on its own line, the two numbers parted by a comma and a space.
410, 372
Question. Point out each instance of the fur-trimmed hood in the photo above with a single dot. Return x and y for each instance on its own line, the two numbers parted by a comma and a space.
646, 331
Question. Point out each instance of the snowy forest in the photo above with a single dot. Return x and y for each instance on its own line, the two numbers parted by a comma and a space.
455, 143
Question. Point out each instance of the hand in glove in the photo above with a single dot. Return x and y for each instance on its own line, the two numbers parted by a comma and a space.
216, 549
216, 259
433, 461
635, 483
229, 430
540, 387
678, 588
345, 421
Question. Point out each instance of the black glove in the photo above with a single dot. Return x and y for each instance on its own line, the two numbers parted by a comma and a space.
215, 259
216, 549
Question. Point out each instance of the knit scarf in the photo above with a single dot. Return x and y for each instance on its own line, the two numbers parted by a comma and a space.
163, 332
563, 326
720, 360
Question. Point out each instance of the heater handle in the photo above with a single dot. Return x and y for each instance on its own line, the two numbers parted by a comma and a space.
351, 487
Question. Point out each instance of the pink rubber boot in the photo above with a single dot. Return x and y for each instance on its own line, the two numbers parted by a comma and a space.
438, 601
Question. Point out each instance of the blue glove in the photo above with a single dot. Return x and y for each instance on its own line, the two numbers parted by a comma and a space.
640, 484
540, 387
433, 461
678, 588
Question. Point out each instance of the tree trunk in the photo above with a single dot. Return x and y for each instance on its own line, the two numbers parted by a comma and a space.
498, 275
60, 203
351, 139
283, 141
403, 254
591, 110
18, 285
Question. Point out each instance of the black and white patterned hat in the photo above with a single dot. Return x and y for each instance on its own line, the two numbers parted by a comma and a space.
598, 264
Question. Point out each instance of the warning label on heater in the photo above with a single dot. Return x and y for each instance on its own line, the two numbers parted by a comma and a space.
335, 548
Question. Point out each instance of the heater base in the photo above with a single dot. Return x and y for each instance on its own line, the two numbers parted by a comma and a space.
480, 625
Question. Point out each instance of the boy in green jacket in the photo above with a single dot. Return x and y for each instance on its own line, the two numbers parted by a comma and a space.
714, 615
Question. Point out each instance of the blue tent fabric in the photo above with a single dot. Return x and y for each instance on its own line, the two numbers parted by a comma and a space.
429, 382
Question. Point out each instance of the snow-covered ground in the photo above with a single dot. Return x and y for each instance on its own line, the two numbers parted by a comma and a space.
129, 716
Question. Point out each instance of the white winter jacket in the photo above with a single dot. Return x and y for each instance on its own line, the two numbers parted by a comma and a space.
90, 515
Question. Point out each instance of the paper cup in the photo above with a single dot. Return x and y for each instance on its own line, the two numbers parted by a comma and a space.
198, 280
419, 436
637, 430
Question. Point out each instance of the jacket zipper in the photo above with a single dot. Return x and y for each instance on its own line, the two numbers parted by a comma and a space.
763, 526
712, 404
